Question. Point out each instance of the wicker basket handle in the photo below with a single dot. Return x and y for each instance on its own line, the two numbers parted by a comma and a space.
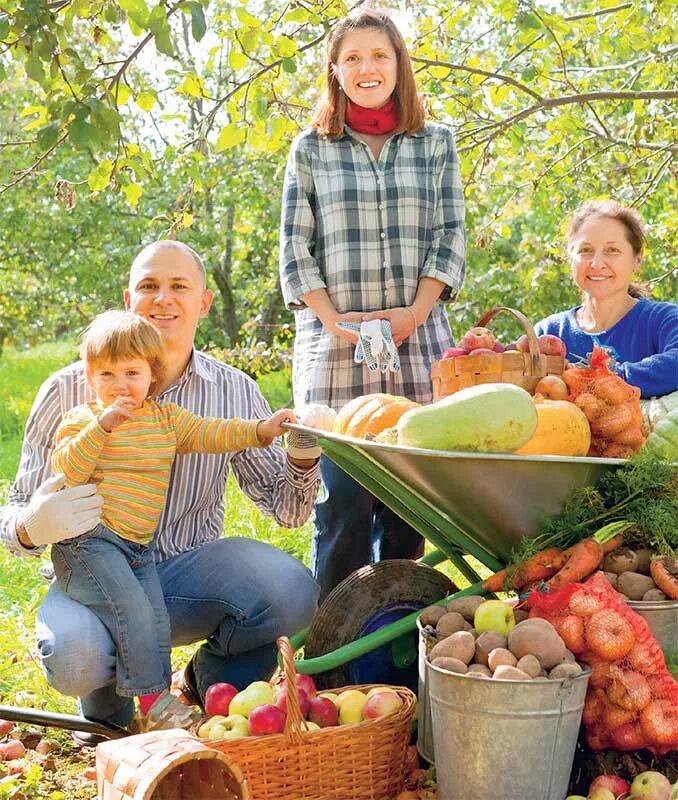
527, 327
294, 731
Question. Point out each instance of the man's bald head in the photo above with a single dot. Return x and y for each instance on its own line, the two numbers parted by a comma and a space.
167, 246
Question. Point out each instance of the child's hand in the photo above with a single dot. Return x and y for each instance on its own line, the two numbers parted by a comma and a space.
269, 429
116, 413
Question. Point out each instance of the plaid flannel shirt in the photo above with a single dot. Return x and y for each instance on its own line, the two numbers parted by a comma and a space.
367, 230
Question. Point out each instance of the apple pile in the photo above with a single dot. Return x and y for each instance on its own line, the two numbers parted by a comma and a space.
483, 639
261, 708
646, 786
479, 341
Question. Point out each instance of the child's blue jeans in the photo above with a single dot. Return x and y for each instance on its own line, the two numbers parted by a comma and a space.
118, 581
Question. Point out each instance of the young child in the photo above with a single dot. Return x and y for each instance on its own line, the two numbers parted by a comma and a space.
125, 442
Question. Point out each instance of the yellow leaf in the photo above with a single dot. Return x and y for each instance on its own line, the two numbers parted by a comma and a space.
505, 231
285, 46
145, 100
236, 59
192, 86
259, 140
100, 176
230, 136
122, 93
186, 219
246, 18
132, 192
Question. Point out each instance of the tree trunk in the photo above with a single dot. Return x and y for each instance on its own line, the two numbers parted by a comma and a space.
222, 278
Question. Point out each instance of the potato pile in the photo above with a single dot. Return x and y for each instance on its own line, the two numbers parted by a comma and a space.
516, 649
628, 571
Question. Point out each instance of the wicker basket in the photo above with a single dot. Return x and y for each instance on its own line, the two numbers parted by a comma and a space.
166, 765
522, 369
364, 761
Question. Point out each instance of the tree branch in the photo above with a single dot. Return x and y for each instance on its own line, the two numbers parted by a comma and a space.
475, 71
588, 14
21, 174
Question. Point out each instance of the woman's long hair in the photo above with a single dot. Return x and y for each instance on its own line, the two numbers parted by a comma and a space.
330, 110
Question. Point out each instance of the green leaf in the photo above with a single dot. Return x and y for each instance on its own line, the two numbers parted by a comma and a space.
159, 27
231, 135
198, 24
34, 68
47, 136
285, 46
261, 107
4, 28
80, 132
145, 100
132, 192
247, 19
100, 176
289, 64
137, 11
298, 14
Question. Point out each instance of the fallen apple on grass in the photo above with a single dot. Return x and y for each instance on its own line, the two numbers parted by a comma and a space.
601, 793
618, 786
650, 785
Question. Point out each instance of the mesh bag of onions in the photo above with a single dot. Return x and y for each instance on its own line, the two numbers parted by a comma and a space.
632, 699
611, 406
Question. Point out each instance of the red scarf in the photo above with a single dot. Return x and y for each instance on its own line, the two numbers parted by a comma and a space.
372, 120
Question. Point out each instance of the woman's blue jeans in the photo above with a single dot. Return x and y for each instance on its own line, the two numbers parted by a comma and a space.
238, 595
352, 528
118, 581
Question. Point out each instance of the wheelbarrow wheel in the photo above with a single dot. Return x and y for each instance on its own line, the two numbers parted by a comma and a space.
365, 601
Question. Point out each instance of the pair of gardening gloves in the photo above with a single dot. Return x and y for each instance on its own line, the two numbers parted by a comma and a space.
375, 346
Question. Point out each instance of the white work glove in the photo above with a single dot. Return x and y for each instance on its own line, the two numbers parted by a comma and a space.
56, 513
375, 345
304, 445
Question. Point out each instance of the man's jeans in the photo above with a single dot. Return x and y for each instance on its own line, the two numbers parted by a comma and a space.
238, 594
352, 528
118, 581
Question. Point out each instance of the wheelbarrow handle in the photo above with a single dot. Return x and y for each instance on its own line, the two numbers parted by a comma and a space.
69, 722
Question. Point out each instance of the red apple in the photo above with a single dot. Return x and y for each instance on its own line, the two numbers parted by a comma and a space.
601, 793
523, 344
11, 750
479, 351
218, 698
280, 699
6, 726
552, 387
453, 352
477, 337
381, 703
498, 347
323, 712
266, 720
650, 786
618, 786
307, 683
551, 345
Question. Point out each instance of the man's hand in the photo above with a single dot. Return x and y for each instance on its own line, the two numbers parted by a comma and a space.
56, 513
117, 413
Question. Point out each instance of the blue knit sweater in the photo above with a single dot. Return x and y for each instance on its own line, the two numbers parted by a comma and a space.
644, 342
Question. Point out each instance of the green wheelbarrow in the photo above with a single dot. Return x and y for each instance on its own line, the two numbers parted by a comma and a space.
464, 504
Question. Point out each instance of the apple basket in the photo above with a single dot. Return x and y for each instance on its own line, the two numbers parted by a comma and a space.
364, 760
449, 375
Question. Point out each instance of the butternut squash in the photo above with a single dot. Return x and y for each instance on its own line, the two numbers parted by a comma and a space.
562, 430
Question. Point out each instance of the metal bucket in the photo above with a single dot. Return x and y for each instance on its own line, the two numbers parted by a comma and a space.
424, 724
513, 740
662, 618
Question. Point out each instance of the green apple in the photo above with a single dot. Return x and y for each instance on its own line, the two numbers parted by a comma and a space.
331, 696
494, 615
235, 727
310, 726
352, 704
259, 693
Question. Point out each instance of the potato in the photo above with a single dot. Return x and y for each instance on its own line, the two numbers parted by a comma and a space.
466, 606
461, 645
565, 671
634, 585
568, 657
611, 578
537, 637
500, 656
479, 669
450, 664
620, 560
654, 594
486, 642
529, 664
449, 648
449, 623
644, 557
506, 673
431, 614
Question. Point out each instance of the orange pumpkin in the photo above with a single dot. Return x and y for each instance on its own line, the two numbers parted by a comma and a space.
562, 430
370, 414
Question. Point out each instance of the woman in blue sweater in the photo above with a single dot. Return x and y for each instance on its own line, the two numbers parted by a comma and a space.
605, 245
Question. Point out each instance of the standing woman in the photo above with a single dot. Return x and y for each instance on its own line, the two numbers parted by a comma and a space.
372, 227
